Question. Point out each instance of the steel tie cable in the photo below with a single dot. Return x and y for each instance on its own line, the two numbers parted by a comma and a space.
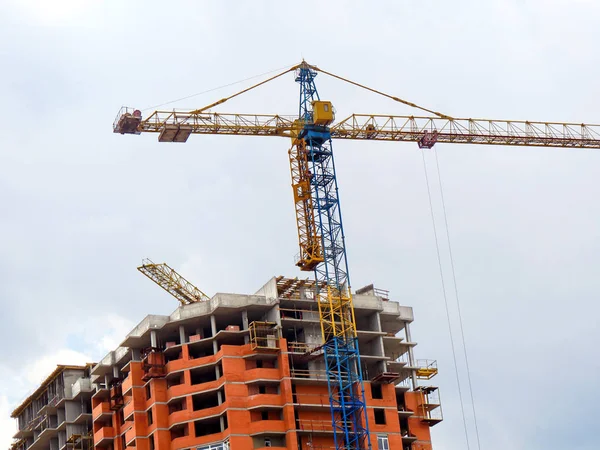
437, 246
457, 298
217, 88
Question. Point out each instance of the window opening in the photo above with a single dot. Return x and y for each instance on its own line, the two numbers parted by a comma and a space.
379, 416
376, 391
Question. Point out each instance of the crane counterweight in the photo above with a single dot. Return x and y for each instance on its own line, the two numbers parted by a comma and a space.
128, 121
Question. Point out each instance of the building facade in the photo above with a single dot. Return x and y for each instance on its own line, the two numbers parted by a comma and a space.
58, 415
241, 372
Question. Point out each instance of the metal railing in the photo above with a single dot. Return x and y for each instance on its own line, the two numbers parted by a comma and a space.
219, 446
405, 383
314, 425
33, 423
383, 293
301, 347
311, 399
313, 374
299, 314
426, 368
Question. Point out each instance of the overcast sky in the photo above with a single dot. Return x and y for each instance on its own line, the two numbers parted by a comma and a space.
82, 206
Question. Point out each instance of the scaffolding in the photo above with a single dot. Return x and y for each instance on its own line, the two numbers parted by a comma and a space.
429, 405
264, 336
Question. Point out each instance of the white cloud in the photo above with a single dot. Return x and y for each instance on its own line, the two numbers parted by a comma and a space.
55, 13
116, 328
37, 371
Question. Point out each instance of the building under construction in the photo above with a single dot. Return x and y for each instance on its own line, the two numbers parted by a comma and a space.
241, 372
58, 414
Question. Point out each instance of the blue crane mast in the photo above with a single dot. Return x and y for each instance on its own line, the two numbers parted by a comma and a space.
325, 236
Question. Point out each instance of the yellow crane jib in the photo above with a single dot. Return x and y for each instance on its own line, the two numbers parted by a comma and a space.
173, 126
172, 282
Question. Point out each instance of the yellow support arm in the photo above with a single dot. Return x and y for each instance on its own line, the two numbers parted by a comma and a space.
172, 282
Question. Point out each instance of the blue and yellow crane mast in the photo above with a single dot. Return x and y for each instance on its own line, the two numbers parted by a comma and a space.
323, 250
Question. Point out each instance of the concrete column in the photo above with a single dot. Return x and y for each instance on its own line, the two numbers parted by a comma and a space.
135, 354
381, 348
213, 328
377, 322
274, 315
218, 373
222, 423
220, 397
411, 357
245, 325
106, 381
182, 337
153, 338
213, 325
116, 371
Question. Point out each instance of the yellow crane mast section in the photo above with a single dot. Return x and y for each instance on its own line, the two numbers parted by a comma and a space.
172, 282
337, 313
177, 126
311, 253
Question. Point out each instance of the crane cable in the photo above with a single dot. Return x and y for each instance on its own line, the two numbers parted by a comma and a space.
397, 99
289, 67
462, 332
437, 247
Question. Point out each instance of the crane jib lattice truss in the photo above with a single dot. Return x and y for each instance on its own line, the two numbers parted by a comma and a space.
317, 206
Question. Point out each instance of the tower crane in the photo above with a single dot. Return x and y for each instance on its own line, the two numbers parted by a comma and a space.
317, 207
